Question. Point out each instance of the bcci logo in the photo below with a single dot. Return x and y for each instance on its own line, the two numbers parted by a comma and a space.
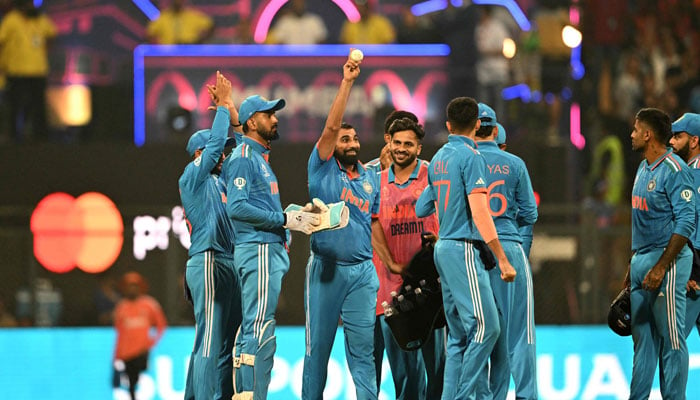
651, 185
239, 183
367, 187
687, 195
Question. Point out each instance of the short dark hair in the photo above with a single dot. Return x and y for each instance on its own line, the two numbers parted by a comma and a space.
658, 121
398, 114
407, 124
485, 131
345, 125
462, 113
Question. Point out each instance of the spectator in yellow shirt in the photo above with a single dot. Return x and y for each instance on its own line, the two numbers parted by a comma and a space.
179, 24
25, 34
372, 28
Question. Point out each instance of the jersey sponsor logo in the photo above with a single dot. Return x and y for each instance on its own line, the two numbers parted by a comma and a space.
197, 161
651, 185
367, 187
239, 182
499, 169
349, 197
640, 203
687, 195
407, 228
400, 210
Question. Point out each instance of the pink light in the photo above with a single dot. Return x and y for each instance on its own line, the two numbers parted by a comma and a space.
271, 9
575, 135
574, 15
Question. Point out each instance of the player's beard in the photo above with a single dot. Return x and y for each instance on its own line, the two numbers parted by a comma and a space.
684, 151
347, 159
270, 134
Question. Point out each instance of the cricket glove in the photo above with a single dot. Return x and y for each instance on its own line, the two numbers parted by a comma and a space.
332, 216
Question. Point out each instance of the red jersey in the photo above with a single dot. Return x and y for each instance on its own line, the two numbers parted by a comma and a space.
133, 320
402, 228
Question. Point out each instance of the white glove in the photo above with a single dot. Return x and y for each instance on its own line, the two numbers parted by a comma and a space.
301, 221
332, 216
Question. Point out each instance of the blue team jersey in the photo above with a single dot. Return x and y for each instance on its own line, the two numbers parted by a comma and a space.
663, 202
330, 182
694, 164
511, 199
253, 195
456, 171
203, 194
373, 166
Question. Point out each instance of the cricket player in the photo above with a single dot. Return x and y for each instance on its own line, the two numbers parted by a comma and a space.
384, 160
340, 278
396, 239
261, 258
663, 218
686, 143
512, 205
210, 278
457, 190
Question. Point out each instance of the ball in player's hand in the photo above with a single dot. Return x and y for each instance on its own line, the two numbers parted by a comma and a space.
356, 55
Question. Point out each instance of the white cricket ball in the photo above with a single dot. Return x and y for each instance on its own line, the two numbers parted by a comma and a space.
356, 55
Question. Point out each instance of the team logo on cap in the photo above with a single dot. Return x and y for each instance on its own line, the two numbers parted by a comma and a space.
239, 182
651, 185
687, 195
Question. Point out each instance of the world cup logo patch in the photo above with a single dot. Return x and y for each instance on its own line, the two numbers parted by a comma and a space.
687, 195
239, 183
651, 185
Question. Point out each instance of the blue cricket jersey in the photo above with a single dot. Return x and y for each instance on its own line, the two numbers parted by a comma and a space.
694, 164
511, 199
253, 195
203, 194
330, 182
456, 171
662, 202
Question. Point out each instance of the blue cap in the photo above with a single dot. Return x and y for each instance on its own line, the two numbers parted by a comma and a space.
487, 115
199, 140
689, 123
257, 103
501, 138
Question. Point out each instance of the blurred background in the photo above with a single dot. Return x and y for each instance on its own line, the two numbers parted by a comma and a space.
89, 181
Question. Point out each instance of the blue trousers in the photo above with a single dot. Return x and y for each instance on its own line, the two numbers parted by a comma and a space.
692, 312
514, 353
348, 292
658, 326
409, 369
261, 267
472, 317
216, 296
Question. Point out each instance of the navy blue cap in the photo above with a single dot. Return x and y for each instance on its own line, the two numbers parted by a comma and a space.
199, 140
257, 103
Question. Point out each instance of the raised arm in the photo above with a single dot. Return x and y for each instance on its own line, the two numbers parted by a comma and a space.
326, 144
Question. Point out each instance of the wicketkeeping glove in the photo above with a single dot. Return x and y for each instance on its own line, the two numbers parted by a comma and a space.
301, 221
332, 216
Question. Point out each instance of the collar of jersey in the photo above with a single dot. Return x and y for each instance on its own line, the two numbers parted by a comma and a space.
659, 160
461, 138
414, 174
264, 150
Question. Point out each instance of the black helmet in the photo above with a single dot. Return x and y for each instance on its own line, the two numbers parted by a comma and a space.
620, 314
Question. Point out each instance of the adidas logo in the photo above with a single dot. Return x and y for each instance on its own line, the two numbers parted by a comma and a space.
661, 294
480, 181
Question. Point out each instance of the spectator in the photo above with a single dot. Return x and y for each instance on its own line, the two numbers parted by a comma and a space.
372, 28
25, 35
492, 69
179, 24
134, 317
106, 298
413, 29
298, 26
